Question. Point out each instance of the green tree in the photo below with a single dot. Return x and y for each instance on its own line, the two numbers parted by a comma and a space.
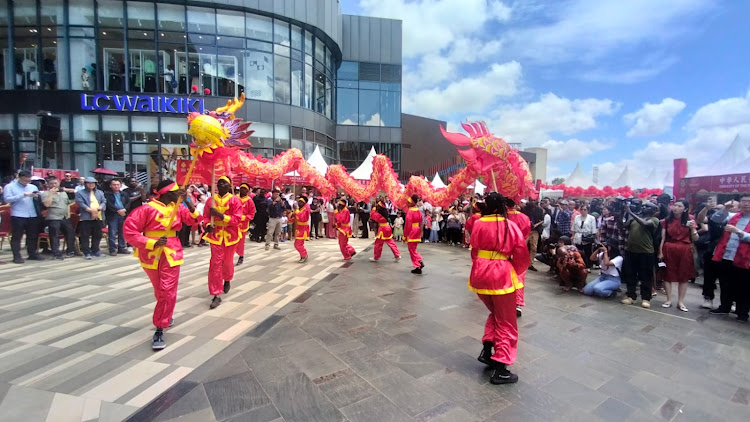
558, 181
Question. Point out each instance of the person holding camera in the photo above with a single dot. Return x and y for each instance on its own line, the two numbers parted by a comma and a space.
638, 262
678, 233
608, 256
584, 231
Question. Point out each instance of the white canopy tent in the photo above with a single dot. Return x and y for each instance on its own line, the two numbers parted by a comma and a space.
623, 180
652, 181
316, 160
437, 182
578, 178
364, 171
478, 187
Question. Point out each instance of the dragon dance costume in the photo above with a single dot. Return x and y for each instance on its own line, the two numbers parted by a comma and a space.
302, 228
524, 224
223, 239
248, 214
413, 235
385, 235
344, 231
143, 228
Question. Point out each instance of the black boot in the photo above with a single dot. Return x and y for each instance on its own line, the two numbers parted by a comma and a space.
501, 375
227, 286
240, 260
215, 302
158, 341
421, 264
416, 271
486, 354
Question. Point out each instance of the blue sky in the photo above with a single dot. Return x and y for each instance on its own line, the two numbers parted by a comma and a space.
598, 82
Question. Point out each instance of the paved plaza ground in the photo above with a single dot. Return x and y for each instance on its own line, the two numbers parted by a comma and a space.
359, 341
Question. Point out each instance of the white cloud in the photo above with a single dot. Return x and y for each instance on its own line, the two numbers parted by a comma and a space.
431, 25
654, 119
572, 150
534, 123
722, 113
471, 94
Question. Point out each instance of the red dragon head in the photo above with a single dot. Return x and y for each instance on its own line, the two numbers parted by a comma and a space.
502, 167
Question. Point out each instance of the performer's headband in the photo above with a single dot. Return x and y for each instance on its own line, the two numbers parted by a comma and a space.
245, 185
169, 188
302, 199
381, 204
409, 200
226, 179
342, 202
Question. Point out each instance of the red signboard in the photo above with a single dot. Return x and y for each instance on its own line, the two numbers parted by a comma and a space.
183, 166
728, 183
60, 174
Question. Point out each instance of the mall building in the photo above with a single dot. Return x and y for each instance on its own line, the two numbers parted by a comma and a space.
89, 83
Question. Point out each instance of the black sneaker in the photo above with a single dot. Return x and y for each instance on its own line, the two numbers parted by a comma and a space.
519, 312
531, 267
36, 258
486, 355
416, 271
718, 311
113, 253
742, 319
18, 260
227, 286
501, 375
123, 252
240, 260
158, 341
421, 265
215, 302
353, 253
59, 257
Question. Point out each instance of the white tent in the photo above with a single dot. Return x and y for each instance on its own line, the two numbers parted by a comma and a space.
437, 182
652, 181
478, 187
316, 160
364, 171
578, 179
623, 180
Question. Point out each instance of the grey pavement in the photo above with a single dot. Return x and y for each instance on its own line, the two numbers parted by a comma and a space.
372, 342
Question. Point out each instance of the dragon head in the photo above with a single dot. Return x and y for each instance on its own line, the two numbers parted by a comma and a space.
219, 128
492, 157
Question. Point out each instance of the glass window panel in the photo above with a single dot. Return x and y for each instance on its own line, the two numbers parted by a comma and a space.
201, 39
308, 59
174, 78
202, 67
281, 50
347, 84
319, 50
54, 64
296, 55
263, 135
230, 23
232, 42
329, 99
6, 63
329, 58
296, 37
347, 103
369, 108
369, 85
171, 17
4, 21
298, 84
52, 13
143, 74
281, 33
110, 13
85, 58
258, 27
25, 55
260, 45
81, 12
281, 138
390, 108
309, 149
282, 90
320, 94
141, 15
296, 143
348, 71
259, 82
390, 86
308, 86
308, 43
230, 74
24, 12
201, 19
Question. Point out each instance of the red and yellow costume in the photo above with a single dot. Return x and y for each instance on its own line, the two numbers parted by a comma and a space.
142, 229
413, 234
301, 228
248, 213
385, 235
469, 227
344, 231
223, 239
500, 256
524, 224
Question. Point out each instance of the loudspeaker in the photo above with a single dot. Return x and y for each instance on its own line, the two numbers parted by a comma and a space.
50, 129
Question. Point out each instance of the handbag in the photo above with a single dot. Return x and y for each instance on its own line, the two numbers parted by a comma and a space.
587, 239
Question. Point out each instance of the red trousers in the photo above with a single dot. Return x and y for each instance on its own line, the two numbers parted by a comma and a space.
241, 245
346, 249
416, 258
501, 328
519, 292
164, 279
220, 268
299, 245
391, 244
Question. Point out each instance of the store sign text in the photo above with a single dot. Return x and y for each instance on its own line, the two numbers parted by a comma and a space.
141, 103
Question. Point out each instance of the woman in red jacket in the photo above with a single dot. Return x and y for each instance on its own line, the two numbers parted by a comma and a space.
501, 254
344, 230
385, 233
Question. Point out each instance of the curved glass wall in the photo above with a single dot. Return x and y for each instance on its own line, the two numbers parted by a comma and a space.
153, 47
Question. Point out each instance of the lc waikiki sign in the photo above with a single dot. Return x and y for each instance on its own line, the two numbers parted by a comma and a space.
141, 103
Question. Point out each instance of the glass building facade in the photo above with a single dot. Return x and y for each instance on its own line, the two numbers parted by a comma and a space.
76, 73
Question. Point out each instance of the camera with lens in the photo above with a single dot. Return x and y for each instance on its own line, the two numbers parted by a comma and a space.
618, 205
636, 206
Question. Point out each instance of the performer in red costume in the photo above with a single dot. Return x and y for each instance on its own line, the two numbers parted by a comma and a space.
524, 224
302, 227
501, 255
152, 231
344, 229
223, 211
413, 233
248, 213
469, 226
385, 232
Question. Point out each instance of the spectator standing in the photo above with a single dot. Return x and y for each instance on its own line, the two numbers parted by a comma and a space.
20, 194
563, 218
116, 212
678, 233
261, 216
536, 214
137, 195
315, 217
714, 233
638, 262
91, 204
58, 218
364, 218
584, 228
275, 206
68, 185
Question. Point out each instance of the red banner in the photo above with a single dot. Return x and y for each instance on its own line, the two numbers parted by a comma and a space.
60, 174
728, 183
183, 166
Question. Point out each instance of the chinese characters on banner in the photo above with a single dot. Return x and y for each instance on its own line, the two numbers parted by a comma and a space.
725, 184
